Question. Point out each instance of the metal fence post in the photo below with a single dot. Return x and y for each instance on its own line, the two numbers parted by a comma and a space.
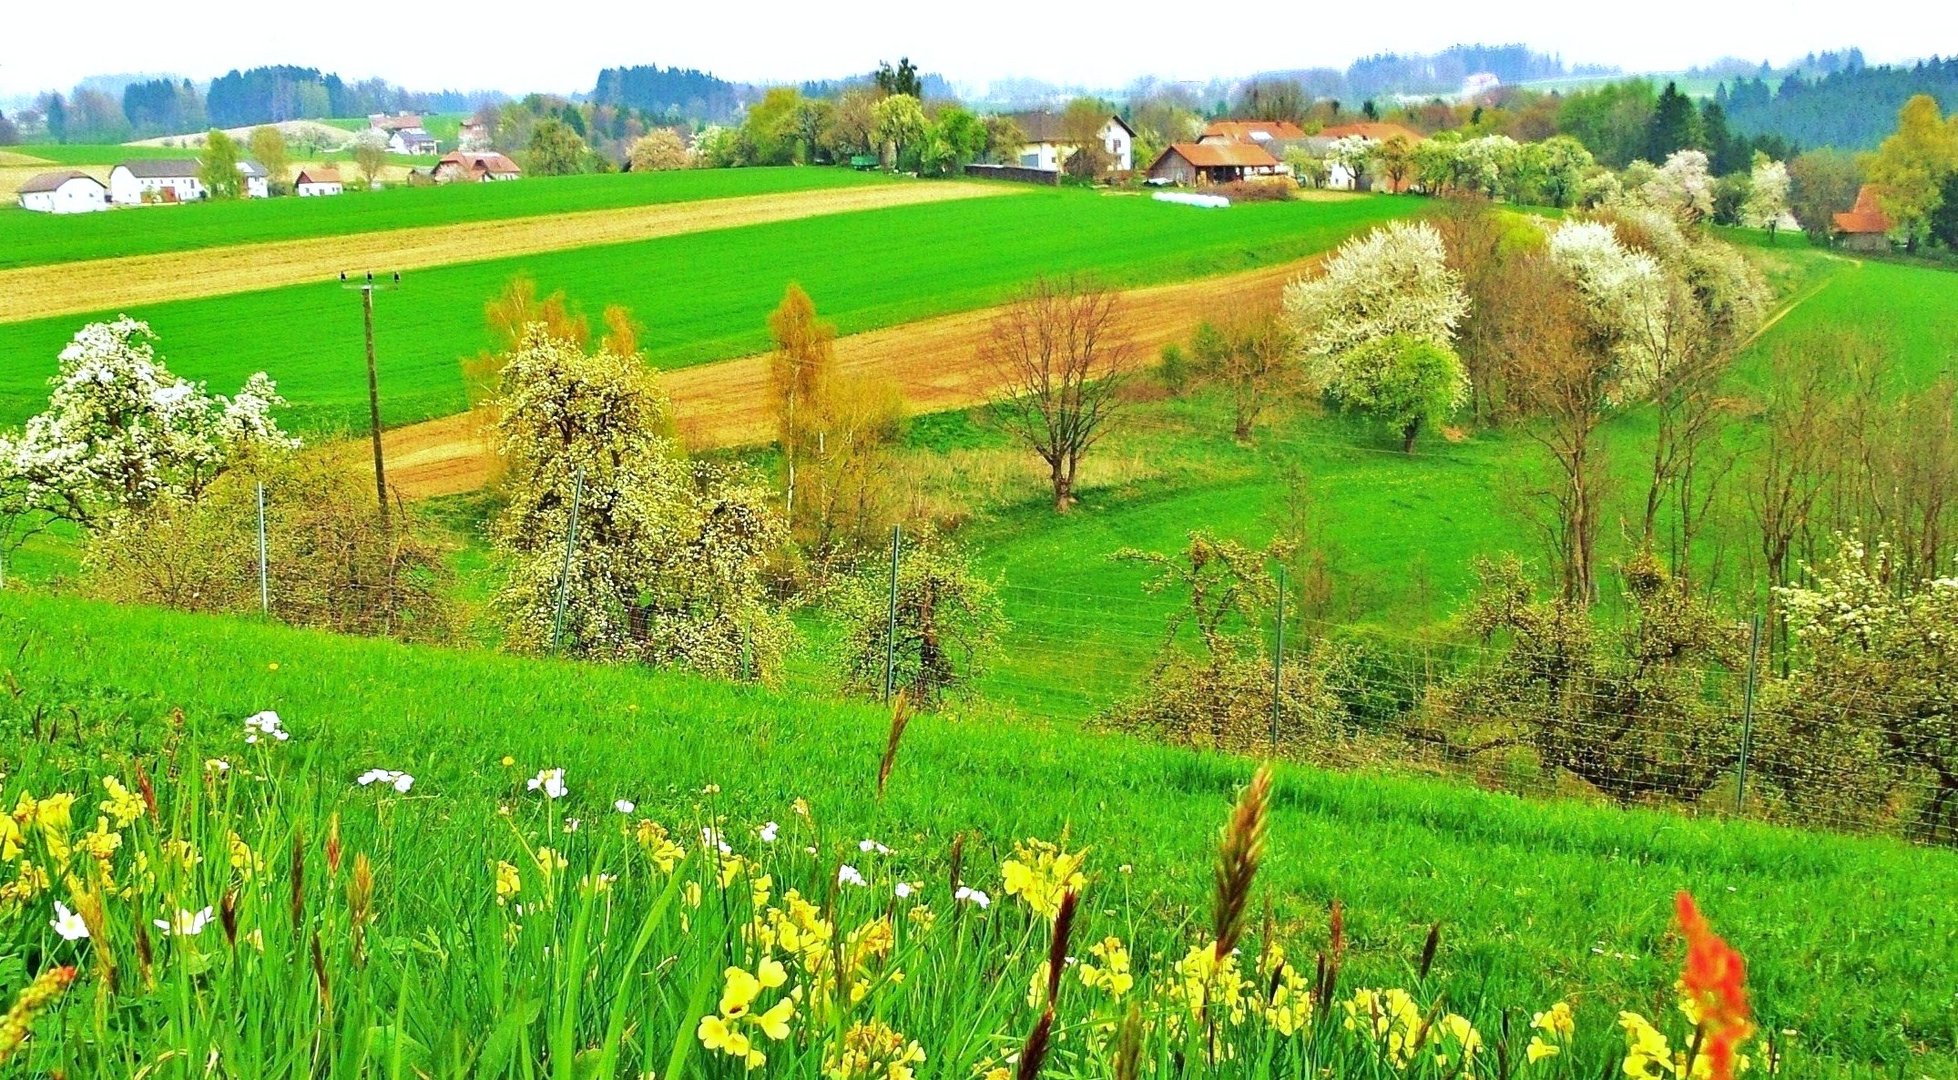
264, 579
890, 631
1747, 712
570, 544
1278, 660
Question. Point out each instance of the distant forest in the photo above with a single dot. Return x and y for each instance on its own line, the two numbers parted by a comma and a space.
1851, 108
675, 94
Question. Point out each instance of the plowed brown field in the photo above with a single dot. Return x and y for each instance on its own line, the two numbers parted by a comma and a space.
935, 362
102, 284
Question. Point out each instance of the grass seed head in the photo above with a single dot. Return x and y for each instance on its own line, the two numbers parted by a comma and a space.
1239, 850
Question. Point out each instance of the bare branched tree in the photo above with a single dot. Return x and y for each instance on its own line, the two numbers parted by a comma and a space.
1059, 357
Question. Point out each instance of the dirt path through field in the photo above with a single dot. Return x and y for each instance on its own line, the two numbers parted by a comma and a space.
935, 362
106, 284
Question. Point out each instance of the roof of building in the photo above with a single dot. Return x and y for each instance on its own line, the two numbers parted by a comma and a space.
1866, 216
1376, 132
396, 122
1220, 155
252, 169
162, 168
486, 161
414, 133
319, 176
1045, 127
49, 181
1253, 130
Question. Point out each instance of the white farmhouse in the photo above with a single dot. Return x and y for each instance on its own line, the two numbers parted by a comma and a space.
69, 191
257, 182
1047, 148
167, 180
412, 140
314, 182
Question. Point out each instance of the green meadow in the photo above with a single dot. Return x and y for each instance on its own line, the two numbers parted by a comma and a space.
1850, 942
701, 296
28, 239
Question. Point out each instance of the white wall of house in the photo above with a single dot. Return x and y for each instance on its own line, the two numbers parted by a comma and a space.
309, 190
257, 187
128, 189
1116, 140
79, 195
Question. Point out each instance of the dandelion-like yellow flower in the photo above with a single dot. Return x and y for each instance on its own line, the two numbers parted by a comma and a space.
122, 804
873, 1050
660, 847
1041, 873
1109, 970
727, 1030
508, 882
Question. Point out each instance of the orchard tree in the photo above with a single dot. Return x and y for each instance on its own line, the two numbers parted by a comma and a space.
1252, 358
659, 150
370, 154
1059, 357
666, 565
1683, 187
1403, 382
122, 434
1555, 169
1394, 280
1355, 154
1822, 184
1767, 199
947, 625
218, 168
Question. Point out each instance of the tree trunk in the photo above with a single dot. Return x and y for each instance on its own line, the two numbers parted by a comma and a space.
1408, 433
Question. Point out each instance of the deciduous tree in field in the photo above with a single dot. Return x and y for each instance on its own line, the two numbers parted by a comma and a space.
1404, 383
121, 433
1822, 184
1767, 198
897, 123
370, 154
268, 148
218, 168
1253, 358
1059, 358
666, 563
555, 149
800, 373
948, 624
1910, 167
659, 150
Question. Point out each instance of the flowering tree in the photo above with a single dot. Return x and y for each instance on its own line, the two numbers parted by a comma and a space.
1683, 186
898, 122
1355, 154
121, 433
947, 622
666, 560
1487, 165
658, 150
1767, 198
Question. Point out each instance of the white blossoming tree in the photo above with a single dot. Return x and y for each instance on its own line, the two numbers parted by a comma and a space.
1488, 165
1354, 154
1394, 284
1684, 186
121, 433
1767, 197
667, 558
1621, 294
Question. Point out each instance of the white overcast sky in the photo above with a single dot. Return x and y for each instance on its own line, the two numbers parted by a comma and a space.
560, 45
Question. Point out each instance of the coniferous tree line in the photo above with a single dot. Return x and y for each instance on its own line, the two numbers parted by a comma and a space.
1850, 108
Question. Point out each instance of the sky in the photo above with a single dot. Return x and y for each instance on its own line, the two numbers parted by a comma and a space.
560, 46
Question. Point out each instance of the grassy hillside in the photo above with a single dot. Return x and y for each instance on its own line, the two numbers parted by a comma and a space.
702, 296
30, 239
1850, 942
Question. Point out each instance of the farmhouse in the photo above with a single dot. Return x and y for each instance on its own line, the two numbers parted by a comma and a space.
158, 180
473, 135
69, 191
320, 181
468, 168
258, 182
1212, 163
1259, 132
1864, 227
405, 133
1048, 148
1375, 132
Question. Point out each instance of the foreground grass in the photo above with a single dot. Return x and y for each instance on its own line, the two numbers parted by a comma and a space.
1850, 942
703, 296
28, 239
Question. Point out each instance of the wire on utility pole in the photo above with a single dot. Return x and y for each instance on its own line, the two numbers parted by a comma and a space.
373, 386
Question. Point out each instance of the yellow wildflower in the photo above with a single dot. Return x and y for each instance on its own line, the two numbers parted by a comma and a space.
1041, 873
873, 1051
508, 882
101, 844
726, 1032
1288, 1003
658, 846
243, 859
1109, 970
1647, 1054
122, 804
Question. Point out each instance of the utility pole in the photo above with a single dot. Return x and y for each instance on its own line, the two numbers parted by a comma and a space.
373, 384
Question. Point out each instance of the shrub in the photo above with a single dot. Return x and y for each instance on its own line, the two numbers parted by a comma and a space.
1276, 189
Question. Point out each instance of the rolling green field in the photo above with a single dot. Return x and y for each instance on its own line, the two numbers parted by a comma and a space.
1849, 942
30, 239
702, 296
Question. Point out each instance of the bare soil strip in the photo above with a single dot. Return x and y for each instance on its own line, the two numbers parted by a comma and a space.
935, 362
104, 284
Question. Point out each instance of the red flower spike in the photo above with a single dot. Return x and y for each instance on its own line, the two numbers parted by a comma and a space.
1714, 981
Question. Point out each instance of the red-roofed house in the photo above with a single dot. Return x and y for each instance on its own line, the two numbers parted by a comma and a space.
1864, 227
473, 168
1212, 163
1251, 131
1378, 132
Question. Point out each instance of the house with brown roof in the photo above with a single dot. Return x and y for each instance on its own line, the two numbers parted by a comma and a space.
317, 181
1864, 227
1206, 163
458, 167
1251, 131
1047, 146
67, 191
1377, 132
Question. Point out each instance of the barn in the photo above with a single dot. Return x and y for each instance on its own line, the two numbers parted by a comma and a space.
147, 180
1211, 163
68, 191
